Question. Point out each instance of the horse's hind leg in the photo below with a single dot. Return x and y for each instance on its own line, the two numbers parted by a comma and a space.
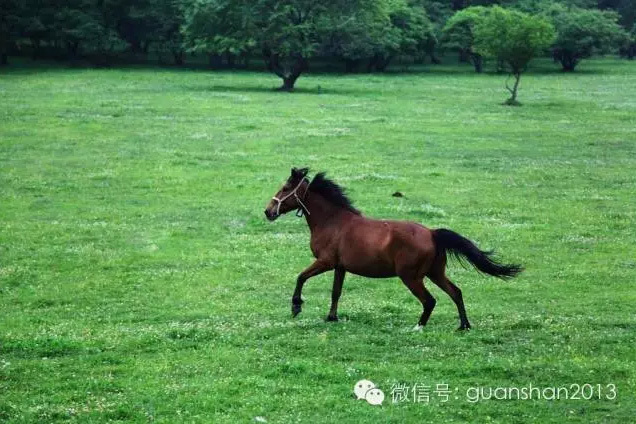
438, 276
416, 286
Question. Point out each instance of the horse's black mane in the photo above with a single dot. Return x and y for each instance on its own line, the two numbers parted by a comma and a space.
332, 192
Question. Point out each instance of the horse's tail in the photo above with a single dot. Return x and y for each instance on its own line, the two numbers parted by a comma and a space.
462, 248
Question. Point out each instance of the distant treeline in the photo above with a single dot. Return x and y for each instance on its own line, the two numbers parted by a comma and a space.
362, 35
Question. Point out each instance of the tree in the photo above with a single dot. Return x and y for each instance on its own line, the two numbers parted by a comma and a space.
438, 11
89, 28
75, 27
167, 35
377, 33
415, 30
10, 12
628, 47
220, 28
288, 35
458, 33
67, 28
363, 36
515, 38
582, 33
37, 23
137, 24
291, 32
124, 20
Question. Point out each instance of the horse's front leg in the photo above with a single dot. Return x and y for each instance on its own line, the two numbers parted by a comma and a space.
338, 279
318, 267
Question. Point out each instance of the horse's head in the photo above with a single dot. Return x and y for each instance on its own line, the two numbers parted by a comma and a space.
291, 195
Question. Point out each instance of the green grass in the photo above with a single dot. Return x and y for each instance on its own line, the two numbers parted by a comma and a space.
139, 280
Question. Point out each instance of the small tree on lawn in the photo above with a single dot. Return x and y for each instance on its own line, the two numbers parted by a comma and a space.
515, 38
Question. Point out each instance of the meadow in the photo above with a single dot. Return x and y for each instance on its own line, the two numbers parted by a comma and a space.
140, 281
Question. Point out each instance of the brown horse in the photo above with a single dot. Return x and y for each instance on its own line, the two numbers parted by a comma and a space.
345, 241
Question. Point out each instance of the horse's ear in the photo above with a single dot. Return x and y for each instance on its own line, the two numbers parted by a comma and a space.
299, 173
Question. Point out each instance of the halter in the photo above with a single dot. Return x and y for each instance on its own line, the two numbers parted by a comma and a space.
302, 208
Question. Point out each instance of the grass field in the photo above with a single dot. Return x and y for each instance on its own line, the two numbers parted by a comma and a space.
140, 281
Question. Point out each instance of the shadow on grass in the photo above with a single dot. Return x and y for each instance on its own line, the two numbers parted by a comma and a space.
316, 90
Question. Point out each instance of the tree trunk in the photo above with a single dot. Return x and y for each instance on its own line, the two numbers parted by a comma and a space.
515, 88
568, 61
378, 63
434, 59
229, 59
215, 61
568, 65
178, 57
4, 50
289, 73
100, 59
382, 63
72, 47
288, 83
512, 101
463, 57
371, 64
351, 65
135, 46
478, 62
555, 56
244, 60
35, 45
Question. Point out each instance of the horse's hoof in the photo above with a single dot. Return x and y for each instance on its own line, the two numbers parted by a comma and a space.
331, 318
418, 328
296, 309
464, 328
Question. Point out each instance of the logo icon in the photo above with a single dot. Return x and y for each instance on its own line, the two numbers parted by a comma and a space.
365, 389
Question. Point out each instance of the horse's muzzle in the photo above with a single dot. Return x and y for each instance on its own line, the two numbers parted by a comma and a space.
270, 216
